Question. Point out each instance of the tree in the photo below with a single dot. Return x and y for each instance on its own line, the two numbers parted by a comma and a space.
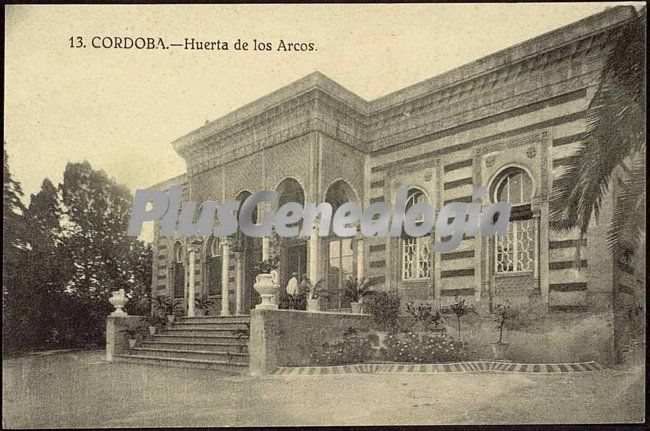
102, 258
13, 254
614, 141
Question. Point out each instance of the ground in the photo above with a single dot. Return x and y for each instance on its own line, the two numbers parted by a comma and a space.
81, 389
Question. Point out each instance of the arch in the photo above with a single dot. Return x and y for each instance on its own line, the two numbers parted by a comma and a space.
212, 263
290, 190
214, 247
177, 253
515, 252
416, 252
413, 196
241, 197
339, 192
178, 271
503, 171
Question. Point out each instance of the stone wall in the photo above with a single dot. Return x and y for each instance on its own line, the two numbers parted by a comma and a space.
285, 338
552, 337
116, 341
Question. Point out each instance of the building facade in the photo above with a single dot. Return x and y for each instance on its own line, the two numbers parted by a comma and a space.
510, 122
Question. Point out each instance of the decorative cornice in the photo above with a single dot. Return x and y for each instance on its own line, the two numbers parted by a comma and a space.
507, 79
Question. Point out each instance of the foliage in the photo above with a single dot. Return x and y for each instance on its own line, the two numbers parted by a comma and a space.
64, 254
132, 333
614, 141
319, 290
353, 348
298, 301
384, 308
266, 266
357, 289
156, 321
204, 302
424, 348
459, 308
424, 314
503, 314
167, 306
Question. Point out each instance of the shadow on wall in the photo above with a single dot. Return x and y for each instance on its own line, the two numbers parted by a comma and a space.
554, 337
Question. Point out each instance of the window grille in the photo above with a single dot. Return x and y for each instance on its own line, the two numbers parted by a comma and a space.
416, 252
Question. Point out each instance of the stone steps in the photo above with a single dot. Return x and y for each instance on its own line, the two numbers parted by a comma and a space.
225, 356
211, 325
202, 342
205, 338
194, 345
215, 319
223, 366
203, 332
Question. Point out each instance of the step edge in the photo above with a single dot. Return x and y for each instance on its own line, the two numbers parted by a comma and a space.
189, 360
201, 352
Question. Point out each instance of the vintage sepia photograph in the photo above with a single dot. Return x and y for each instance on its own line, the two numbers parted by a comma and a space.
324, 215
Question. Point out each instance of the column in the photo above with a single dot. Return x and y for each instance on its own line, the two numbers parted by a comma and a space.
225, 276
361, 270
266, 248
238, 284
313, 245
536, 252
191, 287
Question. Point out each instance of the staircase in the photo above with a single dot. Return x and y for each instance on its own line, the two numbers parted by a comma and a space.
212, 342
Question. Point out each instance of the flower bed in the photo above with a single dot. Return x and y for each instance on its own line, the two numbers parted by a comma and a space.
426, 348
408, 347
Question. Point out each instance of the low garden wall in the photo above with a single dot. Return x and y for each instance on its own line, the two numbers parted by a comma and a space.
552, 337
116, 341
286, 338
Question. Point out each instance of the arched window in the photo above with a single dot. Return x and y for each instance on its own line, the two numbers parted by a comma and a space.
416, 252
213, 263
178, 271
515, 252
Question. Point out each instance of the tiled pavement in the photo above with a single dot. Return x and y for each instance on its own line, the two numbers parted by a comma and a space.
456, 367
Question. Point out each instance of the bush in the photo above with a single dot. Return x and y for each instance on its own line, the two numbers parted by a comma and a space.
425, 315
411, 347
384, 307
351, 350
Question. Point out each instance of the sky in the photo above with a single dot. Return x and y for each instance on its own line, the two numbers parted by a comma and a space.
121, 109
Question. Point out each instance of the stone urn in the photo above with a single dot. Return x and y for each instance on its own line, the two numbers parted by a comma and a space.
356, 307
499, 350
118, 300
266, 285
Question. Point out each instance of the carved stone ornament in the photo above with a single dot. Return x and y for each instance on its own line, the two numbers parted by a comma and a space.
531, 152
489, 161
428, 176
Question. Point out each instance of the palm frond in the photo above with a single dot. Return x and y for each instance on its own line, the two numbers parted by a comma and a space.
615, 129
628, 220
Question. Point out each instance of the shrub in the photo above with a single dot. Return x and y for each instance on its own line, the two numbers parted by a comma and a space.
352, 349
357, 289
503, 314
423, 348
384, 308
459, 308
424, 314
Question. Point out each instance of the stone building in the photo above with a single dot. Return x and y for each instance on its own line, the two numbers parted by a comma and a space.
510, 121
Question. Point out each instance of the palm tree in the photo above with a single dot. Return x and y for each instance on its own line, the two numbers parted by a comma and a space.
614, 142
